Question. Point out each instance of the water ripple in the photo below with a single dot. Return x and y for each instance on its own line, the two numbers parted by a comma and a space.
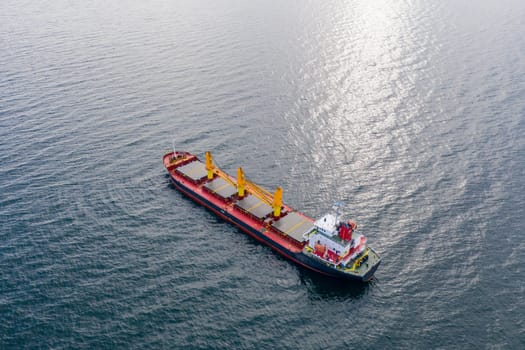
408, 111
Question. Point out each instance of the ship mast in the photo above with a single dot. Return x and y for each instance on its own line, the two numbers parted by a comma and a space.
337, 210
209, 165
241, 182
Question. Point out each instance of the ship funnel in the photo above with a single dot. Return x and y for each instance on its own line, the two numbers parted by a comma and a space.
277, 202
209, 165
241, 182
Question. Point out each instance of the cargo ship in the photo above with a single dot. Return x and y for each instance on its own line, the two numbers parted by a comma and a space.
328, 245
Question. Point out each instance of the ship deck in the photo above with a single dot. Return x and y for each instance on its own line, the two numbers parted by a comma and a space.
254, 206
220, 187
194, 171
252, 215
220, 193
294, 225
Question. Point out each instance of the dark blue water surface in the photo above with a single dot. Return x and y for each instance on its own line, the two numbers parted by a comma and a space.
411, 112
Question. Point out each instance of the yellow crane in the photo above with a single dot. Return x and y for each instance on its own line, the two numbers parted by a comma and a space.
273, 200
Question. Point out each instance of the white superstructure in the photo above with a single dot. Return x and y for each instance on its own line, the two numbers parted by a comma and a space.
327, 241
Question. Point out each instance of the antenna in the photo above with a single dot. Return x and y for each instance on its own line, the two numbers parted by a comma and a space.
337, 209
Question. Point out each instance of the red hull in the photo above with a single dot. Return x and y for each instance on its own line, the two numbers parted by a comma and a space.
227, 210
260, 229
